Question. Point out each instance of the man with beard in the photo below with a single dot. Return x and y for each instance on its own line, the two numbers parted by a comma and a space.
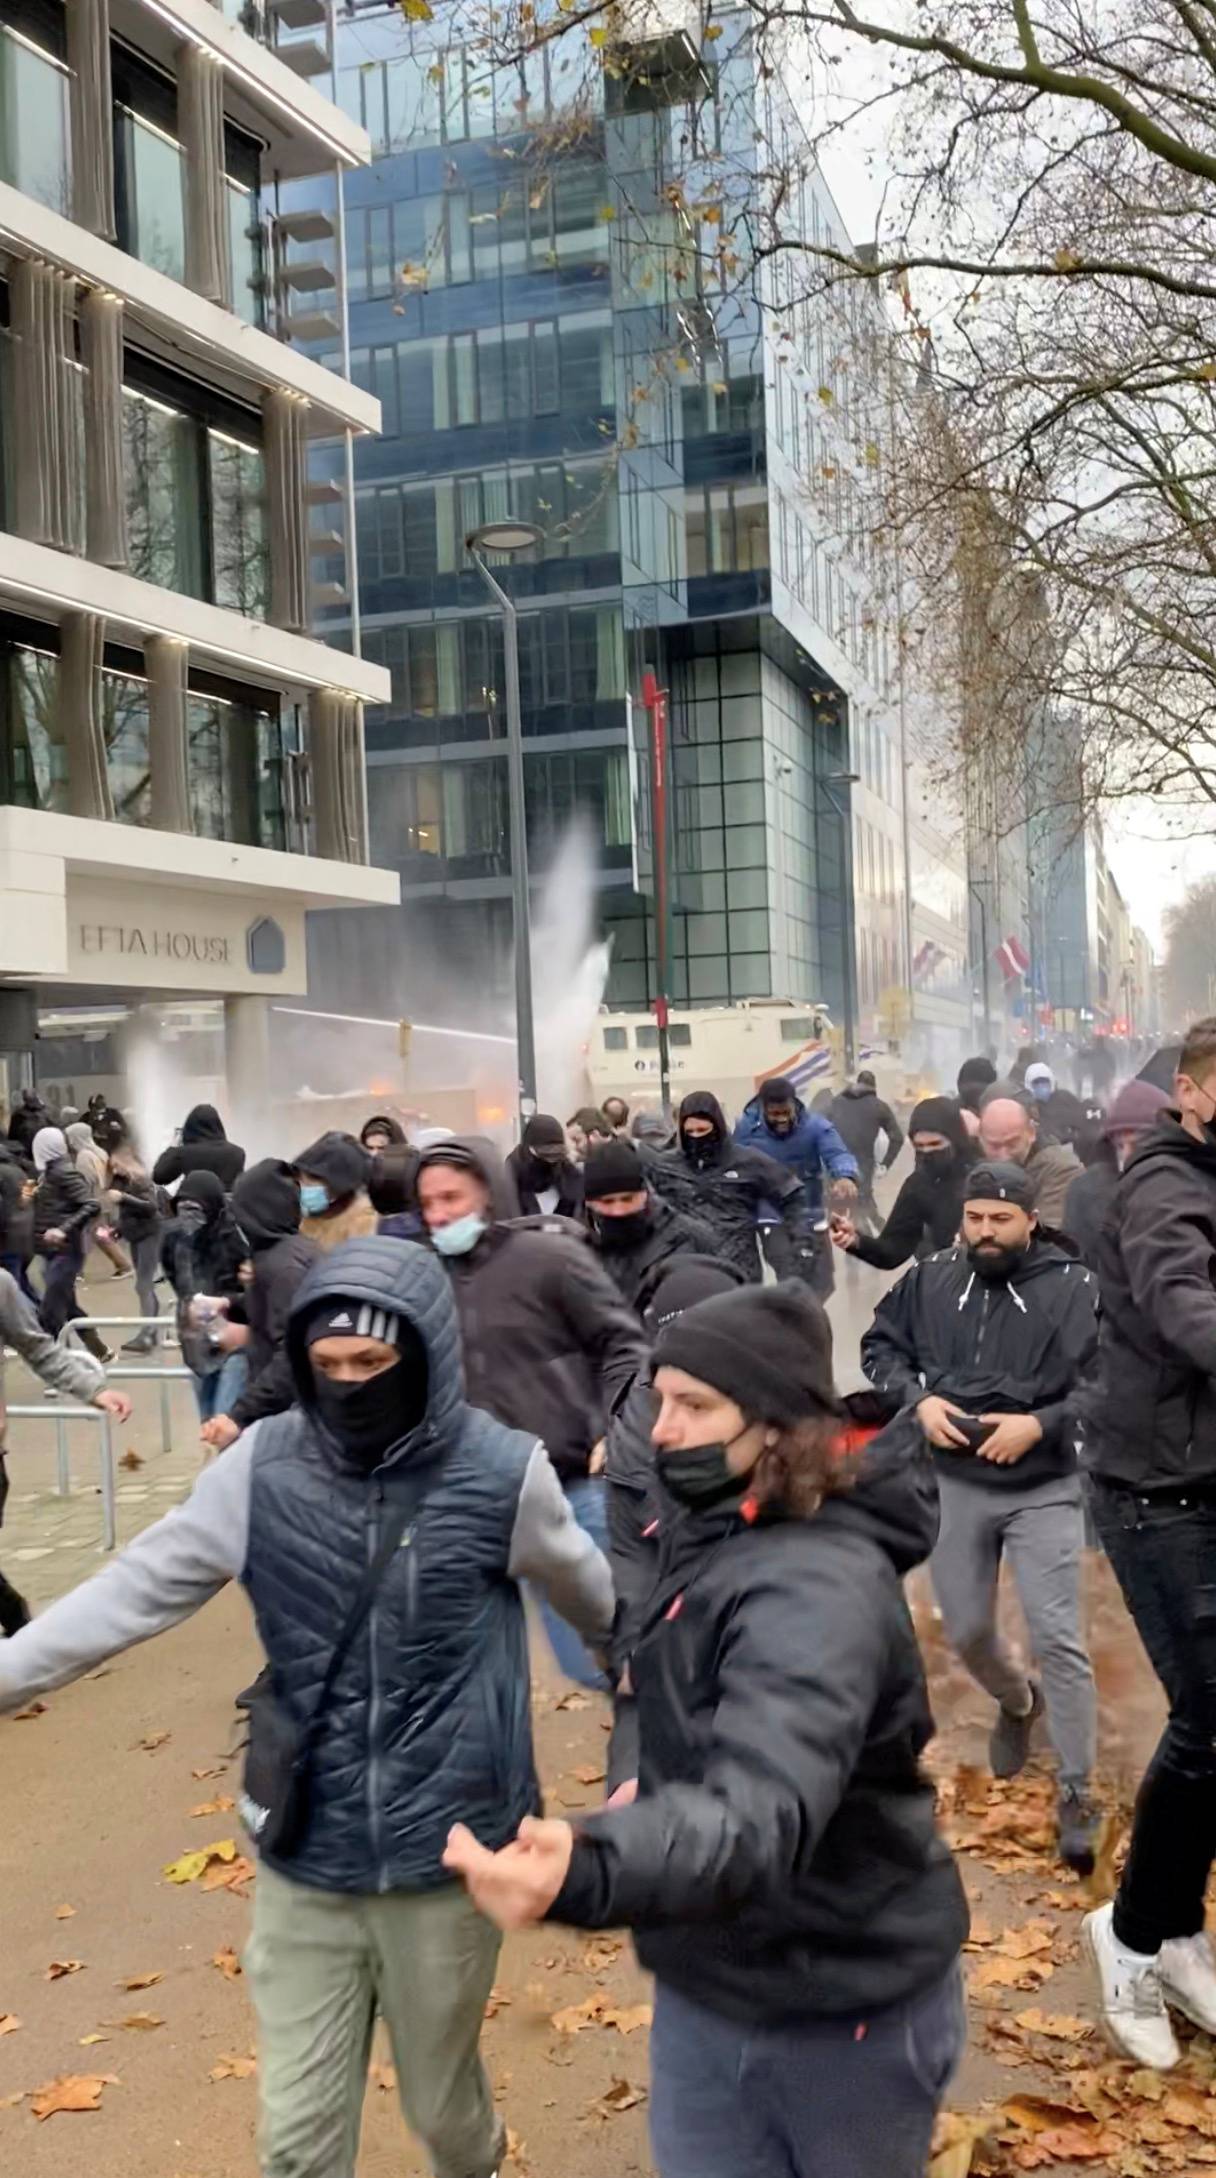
778, 1123
636, 1234
980, 1350
728, 1186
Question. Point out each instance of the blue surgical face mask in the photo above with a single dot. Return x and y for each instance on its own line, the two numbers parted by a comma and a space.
460, 1236
1040, 1089
314, 1199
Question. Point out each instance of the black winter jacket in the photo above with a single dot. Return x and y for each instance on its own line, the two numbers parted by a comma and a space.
635, 1271
204, 1147
266, 1206
1150, 1414
64, 1202
859, 1117
205, 1261
16, 1213
1089, 1202
1015, 1346
925, 1216
138, 1209
782, 1860
728, 1192
566, 1178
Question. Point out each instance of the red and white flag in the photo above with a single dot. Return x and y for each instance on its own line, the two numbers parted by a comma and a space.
1012, 958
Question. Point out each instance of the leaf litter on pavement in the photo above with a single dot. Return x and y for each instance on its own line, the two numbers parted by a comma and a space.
74, 2091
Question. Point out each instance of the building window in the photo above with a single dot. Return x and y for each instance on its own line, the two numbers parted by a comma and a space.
234, 770
162, 460
35, 136
152, 224
616, 1039
196, 493
240, 547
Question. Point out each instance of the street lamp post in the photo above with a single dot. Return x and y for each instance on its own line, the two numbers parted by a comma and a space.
845, 779
514, 537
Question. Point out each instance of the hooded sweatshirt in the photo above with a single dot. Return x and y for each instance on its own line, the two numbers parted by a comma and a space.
266, 1206
1015, 1345
928, 1209
201, 1253
724, 1186
204, 1147
859, 1116
88, 1156
64, 1202
782, 1860
344, 1167
1151, 1413
549, 1345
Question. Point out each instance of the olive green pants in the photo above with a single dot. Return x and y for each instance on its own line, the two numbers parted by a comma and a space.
321, 1965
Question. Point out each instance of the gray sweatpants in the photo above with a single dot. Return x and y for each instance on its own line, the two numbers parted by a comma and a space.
1041, 1531
321, 1964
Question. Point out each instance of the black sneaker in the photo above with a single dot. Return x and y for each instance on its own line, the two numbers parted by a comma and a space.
140, 1346
1009, 1743
1079, 1823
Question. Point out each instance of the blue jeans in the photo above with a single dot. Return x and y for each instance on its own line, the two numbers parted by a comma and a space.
585, 1497
847, 2097
18, 1268
218, 1393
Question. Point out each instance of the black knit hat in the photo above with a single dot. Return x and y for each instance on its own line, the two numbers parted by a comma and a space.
769, 1348
338, 1160
612, 1168
939, 1115
995, 1181
683, 1282
544, 1132
977, 1070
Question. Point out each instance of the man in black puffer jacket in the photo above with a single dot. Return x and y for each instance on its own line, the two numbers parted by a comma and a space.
429, 1720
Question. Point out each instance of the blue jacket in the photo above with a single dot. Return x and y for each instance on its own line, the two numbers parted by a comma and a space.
430, 1720
812, 1148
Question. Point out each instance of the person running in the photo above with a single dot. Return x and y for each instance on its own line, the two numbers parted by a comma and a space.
202, 1253
16, 1219
1009, 1134
549, 1345
781, 1865
635, 1234
63, 1368
1150, 1438
982, 1350
93, 1165
266, 1209
547, 1181
334, 1173
64, 1209
380, 1487
1062, 1117
928, 1209
707, 1176
859, 1116
1091, 1195
778, 1123
203, 1147
137, 1216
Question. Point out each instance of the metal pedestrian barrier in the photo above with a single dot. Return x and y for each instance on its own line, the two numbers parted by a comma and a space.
124, 1373
61, 1416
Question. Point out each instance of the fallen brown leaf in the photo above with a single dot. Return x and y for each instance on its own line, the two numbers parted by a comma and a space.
131, 1459
142, 2021
597, 2011
496, 2002
517, 2150
229, 1876
9, 2023
133, 1982
572, 1701
1022, 1943
622, 2095
233, 2068
1102, 1883
9, 2102
31, 1709
979, 1936
1057, 2026
955, 2140
217, 1770
87, 2040
227, 1962
58, 1968
589, 1773
65, 1913
152, 1740
601, 1953
222, 1804
75, 2091
1068, 2144
190, 1866
1003, 1973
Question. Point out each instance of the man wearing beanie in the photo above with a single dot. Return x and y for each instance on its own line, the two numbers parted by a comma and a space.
381, 1529
980, 1351
928, 1209
636, 1234
974, 1076
1091, 1197
730, 1188
778, 1123
547, 1180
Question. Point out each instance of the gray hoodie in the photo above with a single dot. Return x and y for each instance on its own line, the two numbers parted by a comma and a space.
64, 1368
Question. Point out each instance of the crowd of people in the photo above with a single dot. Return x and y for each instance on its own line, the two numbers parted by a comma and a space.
600, 1368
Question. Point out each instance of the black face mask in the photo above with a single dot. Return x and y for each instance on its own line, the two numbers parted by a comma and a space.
701, 1150
993, 1264
368, 1419
538, 1173
701, 1476
936, 1162
617, 1234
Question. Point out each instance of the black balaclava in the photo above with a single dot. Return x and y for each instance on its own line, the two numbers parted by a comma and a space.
368, 1419
200, 1200
704, 1151
938, 1115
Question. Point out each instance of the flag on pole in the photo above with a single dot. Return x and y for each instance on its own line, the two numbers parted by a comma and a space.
1012, 958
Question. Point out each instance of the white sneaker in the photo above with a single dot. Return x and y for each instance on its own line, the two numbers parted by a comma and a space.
1188, 1977
1131, 1999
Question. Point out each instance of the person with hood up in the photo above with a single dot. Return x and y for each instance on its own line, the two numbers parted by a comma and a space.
780, 1864
1091, 1196
777, 1123
64, 1209
382, 1132
16, 1220
202, 1252
859, 1116
393, 1193
707, 1176
204, 1147
381, 1528
974, 1077
547, 1181
928, 1209
334, 1172
548, 1343
136, 1202
27, 1116
1009, 1134
266, 1207
982, 1350
93, 1164
1150, 1448
1062, 1116
634, 1233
